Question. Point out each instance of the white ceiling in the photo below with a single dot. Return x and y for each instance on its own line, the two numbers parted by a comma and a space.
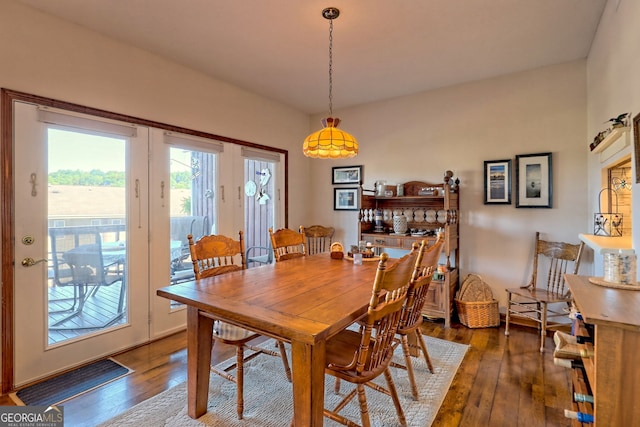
381, 48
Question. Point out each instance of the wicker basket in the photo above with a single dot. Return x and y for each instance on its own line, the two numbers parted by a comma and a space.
476, 306
478, 314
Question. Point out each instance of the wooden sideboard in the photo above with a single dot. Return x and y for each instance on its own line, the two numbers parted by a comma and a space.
613, 371
423, 212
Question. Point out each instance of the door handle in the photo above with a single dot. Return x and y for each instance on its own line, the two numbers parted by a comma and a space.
28, 262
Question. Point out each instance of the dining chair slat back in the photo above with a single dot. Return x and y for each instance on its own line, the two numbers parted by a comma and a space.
288, 244
411, 319
213, 255
319, 238
216, 254
361, 356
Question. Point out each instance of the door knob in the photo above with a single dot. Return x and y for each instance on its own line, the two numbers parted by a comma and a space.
28, 262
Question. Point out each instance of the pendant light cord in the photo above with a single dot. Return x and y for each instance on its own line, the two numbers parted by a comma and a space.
331, 68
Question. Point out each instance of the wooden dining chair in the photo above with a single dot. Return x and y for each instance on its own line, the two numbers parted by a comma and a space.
358, 357
319, 238
411, 319
287, 243
552, 260
213, 255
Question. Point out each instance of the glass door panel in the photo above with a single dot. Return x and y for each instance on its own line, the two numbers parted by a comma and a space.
259, 209
87, 208
192, 204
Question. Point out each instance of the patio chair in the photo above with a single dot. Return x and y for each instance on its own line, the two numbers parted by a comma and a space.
80, 261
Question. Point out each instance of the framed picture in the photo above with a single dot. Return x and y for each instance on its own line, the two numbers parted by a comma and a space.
346, 175
345, 199
534, 187
497, 182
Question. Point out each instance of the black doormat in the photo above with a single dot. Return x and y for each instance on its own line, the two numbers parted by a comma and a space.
70, 384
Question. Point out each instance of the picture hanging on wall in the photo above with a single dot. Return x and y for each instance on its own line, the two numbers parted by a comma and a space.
345, 199
534, 187
347, 175
497, 182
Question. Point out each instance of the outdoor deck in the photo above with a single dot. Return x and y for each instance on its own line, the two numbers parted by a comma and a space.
98, 309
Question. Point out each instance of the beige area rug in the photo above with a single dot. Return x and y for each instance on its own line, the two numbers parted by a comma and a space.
268, 399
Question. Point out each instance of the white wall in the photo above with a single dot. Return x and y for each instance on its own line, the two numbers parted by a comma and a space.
613, 87
418, 137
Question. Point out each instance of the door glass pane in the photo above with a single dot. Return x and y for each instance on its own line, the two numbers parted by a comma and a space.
259, 176
193, 205
87, 233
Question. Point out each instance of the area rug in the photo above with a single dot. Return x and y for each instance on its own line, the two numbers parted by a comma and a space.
71, 384
268, 398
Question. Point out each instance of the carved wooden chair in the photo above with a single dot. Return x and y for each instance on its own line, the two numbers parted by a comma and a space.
319, 238
553, 260
213, 255
288, 244
411, 320
359, 357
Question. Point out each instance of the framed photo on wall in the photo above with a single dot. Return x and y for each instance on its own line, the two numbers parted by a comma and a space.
497, 182
345, 199
534, 187
346, 175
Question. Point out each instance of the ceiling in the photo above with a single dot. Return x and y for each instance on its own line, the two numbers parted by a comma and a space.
381, 48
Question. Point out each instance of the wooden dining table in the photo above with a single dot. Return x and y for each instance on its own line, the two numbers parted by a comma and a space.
302, 301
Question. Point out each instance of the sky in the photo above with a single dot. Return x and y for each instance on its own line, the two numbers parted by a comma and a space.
82, 151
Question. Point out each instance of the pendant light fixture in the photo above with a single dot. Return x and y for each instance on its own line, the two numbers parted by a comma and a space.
330, 142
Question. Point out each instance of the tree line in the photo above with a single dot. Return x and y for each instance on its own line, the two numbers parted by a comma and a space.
99, 178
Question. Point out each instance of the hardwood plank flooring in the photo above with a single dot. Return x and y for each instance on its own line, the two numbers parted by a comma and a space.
501, 382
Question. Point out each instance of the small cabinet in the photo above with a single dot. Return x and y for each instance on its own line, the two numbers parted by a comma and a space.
611, 363
427, 207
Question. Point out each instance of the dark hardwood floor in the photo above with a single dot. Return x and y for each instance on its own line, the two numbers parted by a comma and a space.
501, 382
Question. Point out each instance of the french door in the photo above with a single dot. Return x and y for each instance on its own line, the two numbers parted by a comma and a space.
102, 211
81, 239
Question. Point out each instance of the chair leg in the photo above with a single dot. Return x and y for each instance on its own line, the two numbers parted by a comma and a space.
543, 332
364, 409
336, 386
423, 346
506, 321
285, 361
240, 380
394, 396
407, 362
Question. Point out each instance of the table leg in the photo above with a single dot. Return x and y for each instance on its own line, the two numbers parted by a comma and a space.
308, 383
199, 337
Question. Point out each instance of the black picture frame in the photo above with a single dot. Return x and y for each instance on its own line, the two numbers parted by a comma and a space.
346, 199
534, 180
346, 175
497, 182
